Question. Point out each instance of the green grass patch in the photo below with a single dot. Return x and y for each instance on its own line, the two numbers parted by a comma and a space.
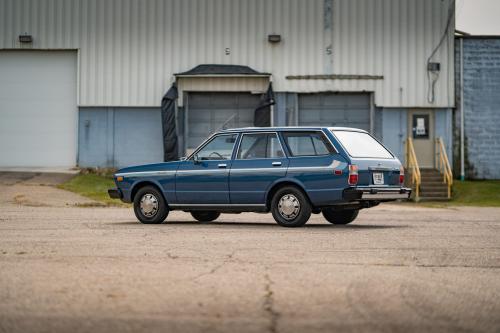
94, 186
480, 193
476, 193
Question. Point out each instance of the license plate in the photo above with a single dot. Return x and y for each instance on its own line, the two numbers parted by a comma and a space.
378, 178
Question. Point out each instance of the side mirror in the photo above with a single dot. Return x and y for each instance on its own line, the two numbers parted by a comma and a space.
196, 159
183, 158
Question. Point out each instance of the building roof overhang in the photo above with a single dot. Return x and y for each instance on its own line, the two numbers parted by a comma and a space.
213, 70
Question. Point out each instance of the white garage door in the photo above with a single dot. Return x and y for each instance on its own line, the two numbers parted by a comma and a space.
335, 109
38, 111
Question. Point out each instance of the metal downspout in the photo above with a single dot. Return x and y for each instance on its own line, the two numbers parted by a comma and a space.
462, 112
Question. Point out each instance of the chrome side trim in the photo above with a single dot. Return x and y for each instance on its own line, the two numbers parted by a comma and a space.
203, 171
246, 170
217, 205
145, 173
385, 196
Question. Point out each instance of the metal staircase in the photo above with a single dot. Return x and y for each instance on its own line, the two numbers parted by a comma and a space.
429, 184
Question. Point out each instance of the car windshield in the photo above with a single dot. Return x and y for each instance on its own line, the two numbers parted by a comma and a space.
361, 144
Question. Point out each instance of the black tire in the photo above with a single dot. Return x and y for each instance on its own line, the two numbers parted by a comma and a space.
340, 216
297, 201
157, 215
205, 216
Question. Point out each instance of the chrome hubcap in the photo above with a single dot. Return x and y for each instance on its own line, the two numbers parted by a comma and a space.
149, 205
289, 206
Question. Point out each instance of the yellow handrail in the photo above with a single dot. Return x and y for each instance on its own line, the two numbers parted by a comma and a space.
412, 166
443, 164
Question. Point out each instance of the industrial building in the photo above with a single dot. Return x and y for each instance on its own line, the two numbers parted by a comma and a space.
81, 81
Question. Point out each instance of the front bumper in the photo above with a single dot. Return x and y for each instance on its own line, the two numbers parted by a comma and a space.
115, 193
376, 193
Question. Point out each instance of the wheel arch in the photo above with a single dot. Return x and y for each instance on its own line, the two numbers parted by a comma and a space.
142, 183
282, 183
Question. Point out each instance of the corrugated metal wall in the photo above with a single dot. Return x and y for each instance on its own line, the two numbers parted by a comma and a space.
129, 49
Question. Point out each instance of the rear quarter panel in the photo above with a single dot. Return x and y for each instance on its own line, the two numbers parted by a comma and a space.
317, 175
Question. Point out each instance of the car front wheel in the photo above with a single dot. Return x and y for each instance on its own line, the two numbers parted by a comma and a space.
290, 207
340, 216
207, 216
149, 206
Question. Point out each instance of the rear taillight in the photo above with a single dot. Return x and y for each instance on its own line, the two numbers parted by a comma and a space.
401, 175
353, 175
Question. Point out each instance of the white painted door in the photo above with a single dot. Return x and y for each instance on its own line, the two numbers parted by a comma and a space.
38, 110
421, 129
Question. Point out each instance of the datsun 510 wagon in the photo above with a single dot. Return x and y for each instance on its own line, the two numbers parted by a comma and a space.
288, 171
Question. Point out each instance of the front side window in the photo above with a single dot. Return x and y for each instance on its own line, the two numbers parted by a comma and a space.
219, 148
308, 143
260, 145
361, 144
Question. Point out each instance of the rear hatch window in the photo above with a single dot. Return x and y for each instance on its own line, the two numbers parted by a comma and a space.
361, 144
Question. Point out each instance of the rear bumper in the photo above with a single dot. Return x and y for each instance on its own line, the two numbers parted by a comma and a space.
115, 193
376, 194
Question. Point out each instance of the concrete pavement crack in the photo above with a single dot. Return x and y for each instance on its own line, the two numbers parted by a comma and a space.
269, 306
214, 269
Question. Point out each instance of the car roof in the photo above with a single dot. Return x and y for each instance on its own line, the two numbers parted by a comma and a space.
288, 128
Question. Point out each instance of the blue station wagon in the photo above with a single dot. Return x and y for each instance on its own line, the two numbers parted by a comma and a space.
291, 172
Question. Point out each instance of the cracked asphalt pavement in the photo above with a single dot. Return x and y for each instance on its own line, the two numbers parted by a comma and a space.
396, 268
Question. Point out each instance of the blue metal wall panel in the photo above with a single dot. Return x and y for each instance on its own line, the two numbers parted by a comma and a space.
93, 136
394, 130
118, 137
443, 128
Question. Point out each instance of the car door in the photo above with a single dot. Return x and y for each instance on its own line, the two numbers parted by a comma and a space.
203, 179
258, 163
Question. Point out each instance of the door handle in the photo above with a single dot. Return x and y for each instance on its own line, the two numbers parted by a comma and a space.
276, 163
222, 165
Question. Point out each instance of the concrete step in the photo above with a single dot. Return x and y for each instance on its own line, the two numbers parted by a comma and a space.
433, 184
438, 176
429, 171
437, 192
434, 199
434, 194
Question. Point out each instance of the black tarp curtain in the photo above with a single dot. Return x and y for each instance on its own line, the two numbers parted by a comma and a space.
262, 118
262, 114
170, 146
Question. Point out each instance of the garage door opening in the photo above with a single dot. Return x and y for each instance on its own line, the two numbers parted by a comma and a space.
38, 110
208, 112
335, 109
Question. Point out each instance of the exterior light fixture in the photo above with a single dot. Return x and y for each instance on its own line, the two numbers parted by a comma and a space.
25, 39
274, 38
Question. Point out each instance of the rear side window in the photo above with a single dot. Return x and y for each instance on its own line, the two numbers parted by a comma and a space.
360, 144
259, 145
307, 143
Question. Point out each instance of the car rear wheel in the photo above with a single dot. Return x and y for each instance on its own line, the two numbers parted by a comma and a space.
290, 207
340, 216
205, 216
149, 206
